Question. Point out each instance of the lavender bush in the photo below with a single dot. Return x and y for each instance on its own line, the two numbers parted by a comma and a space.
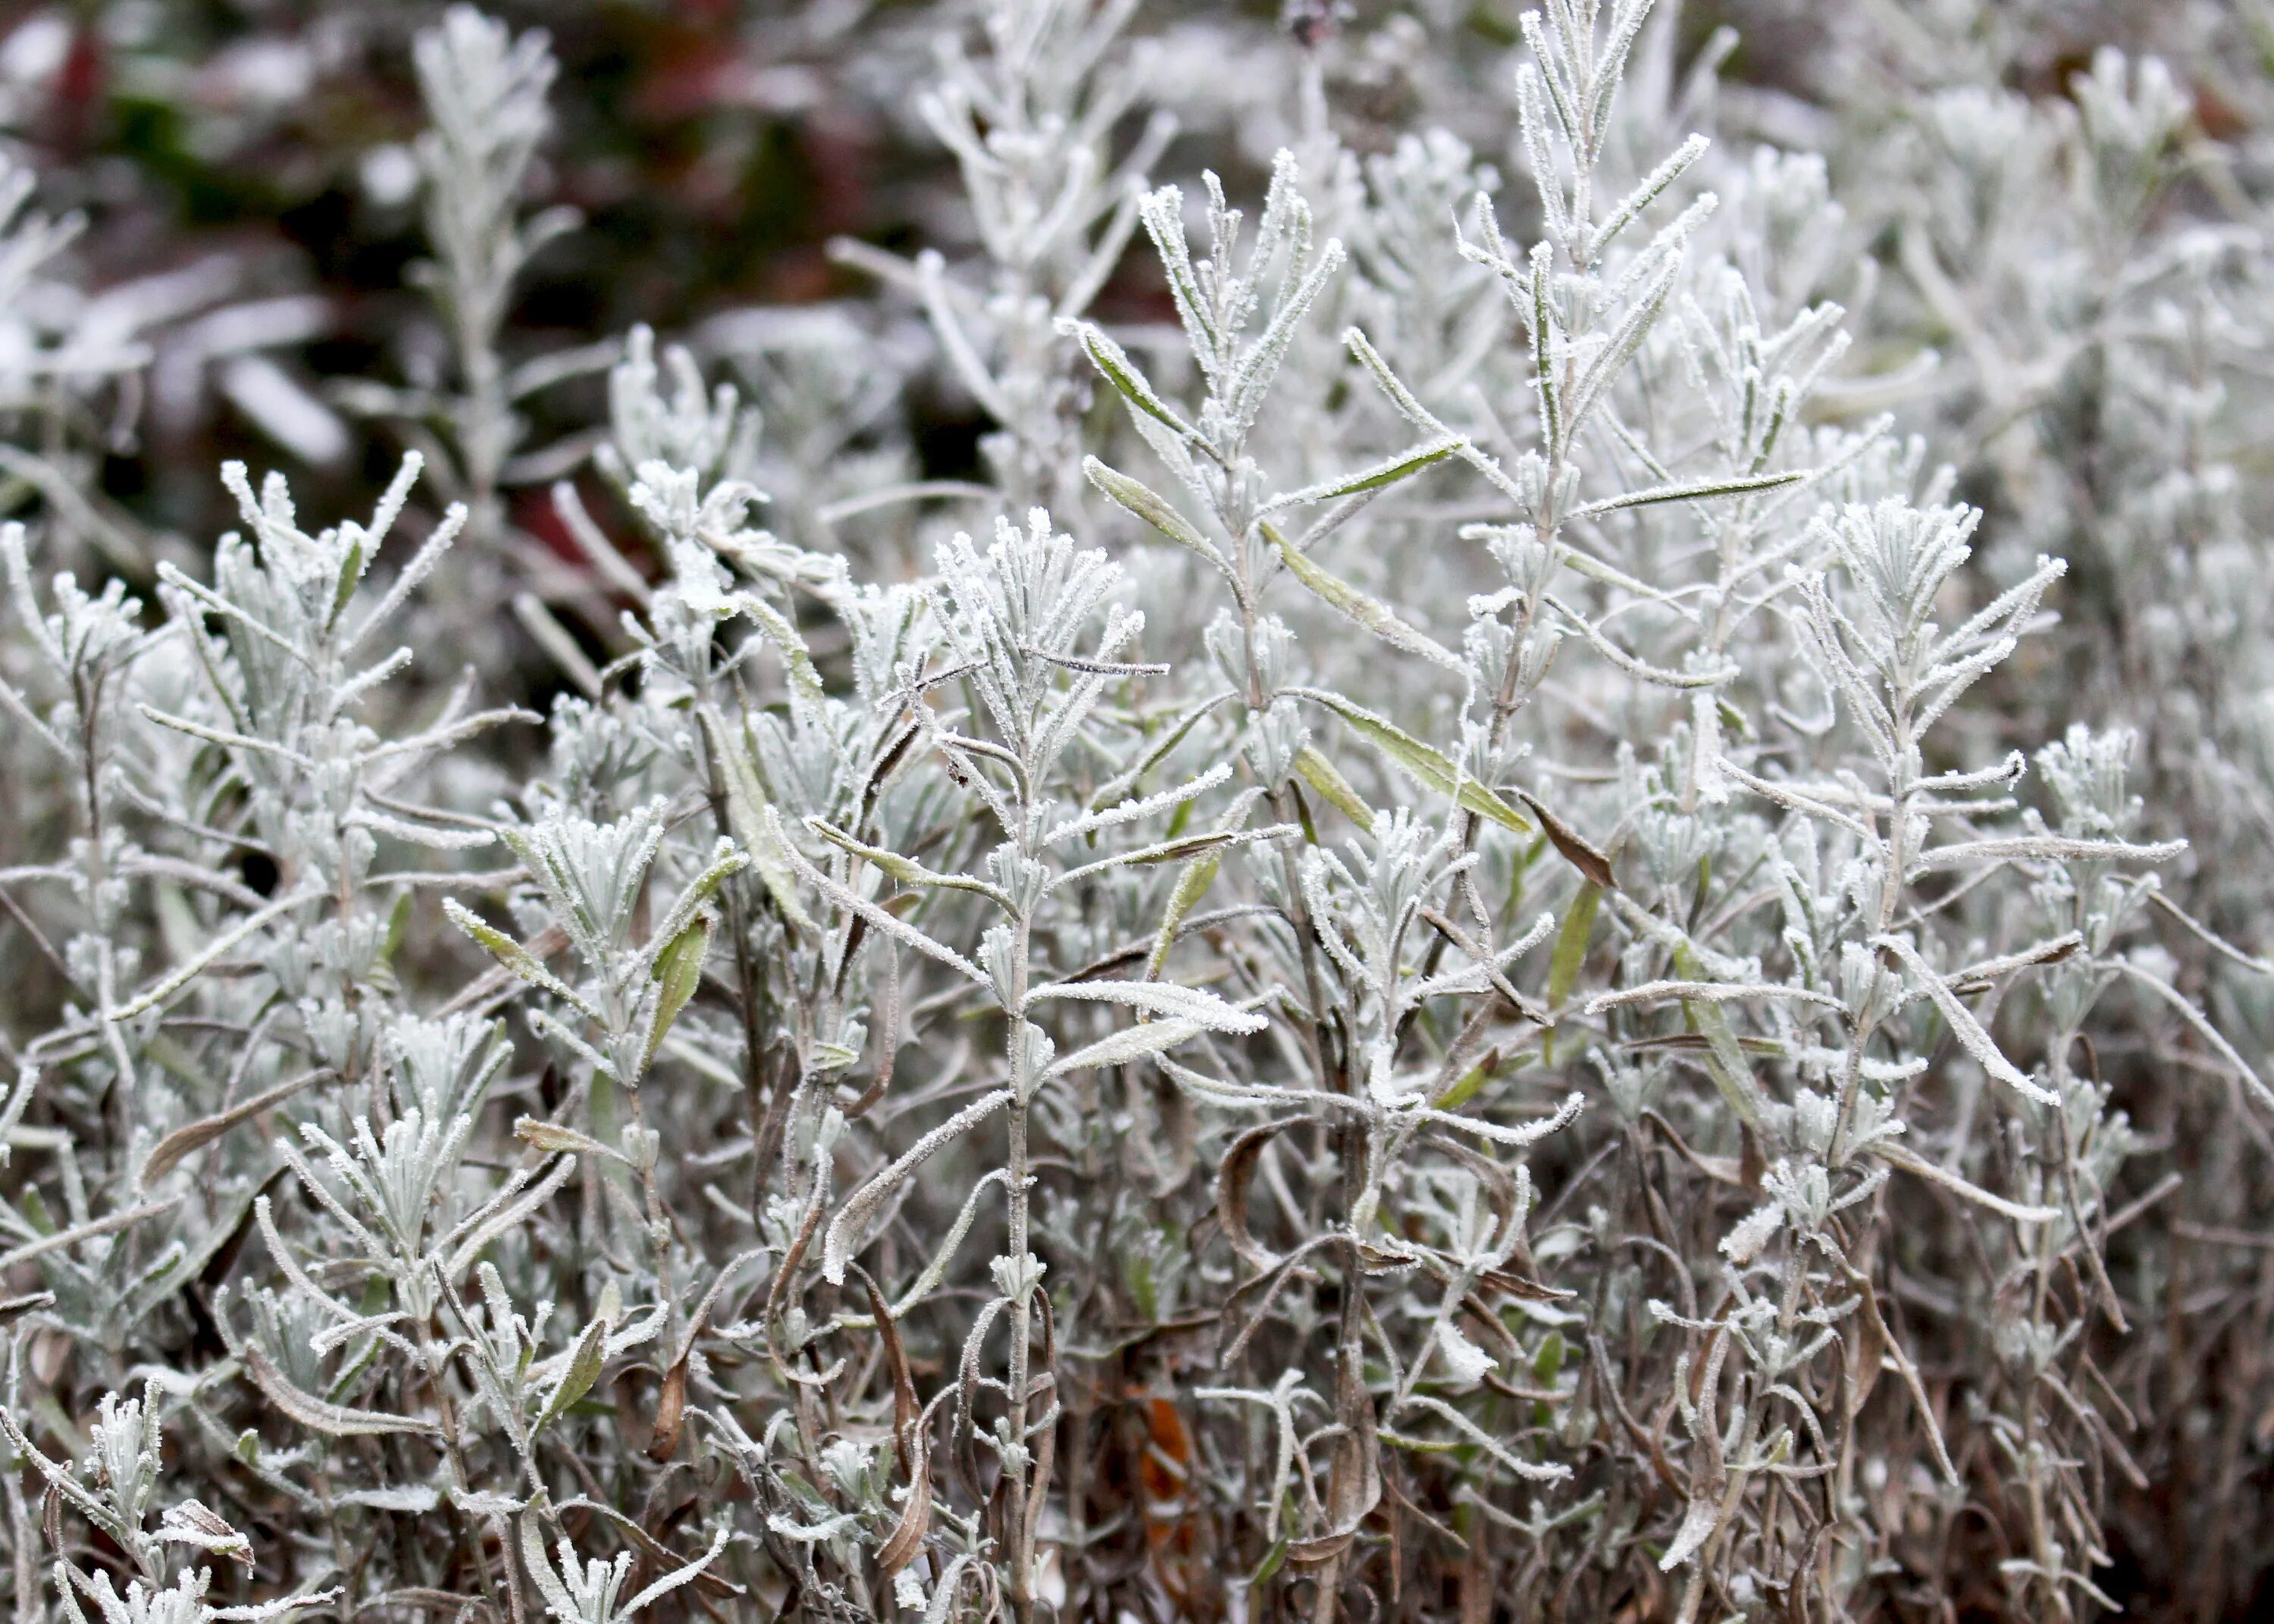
1536, 892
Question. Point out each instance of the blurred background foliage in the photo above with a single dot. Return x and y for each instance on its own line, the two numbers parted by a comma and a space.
247, 168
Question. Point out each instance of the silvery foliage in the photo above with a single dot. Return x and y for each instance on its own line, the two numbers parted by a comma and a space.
484, 88
1406, 980
1034, 124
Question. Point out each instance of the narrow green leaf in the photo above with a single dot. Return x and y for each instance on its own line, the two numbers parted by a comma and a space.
1184, 848
1273, 1561
746, 815
1322, 775
1127, 779
1544, 325
678, 972
552, 1138
804, 681
725, 862
1571, 943
1547, 1364
1113, 363
1150, 505
514, 956
1389, 471
1424, 765
1700, 491
319, 1415
1725, 1059
351, 575
1469, 1084
584, 1362
1127, 1045
1570, 953
1400, 396
905, 871
1376, 616
1192, 885
398, 921
1180, 848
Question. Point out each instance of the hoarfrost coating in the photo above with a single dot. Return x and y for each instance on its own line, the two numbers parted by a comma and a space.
1539, 895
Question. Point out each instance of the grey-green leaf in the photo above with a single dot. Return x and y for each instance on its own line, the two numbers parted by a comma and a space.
1424, 764
1376, 616
1155, 509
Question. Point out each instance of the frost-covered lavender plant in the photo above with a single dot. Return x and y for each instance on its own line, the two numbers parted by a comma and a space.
1506, 942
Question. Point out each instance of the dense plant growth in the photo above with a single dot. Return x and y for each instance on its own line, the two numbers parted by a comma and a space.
1537, 897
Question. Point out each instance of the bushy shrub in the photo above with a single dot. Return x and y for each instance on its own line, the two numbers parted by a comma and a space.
1536, 900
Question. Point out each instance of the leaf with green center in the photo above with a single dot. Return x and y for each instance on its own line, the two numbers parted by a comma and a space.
678, 972
1113, 363
746, 815
1192, 885
1376, 616
1388, 472
1141, 500
515, 957
1570, 953
1322, 776
584, 1362
1424, 765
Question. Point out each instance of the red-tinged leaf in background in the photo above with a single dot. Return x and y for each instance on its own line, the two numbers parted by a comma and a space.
79, 89
1174, 1537
693, 64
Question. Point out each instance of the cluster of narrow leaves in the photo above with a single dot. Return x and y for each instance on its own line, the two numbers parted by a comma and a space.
1410, 967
